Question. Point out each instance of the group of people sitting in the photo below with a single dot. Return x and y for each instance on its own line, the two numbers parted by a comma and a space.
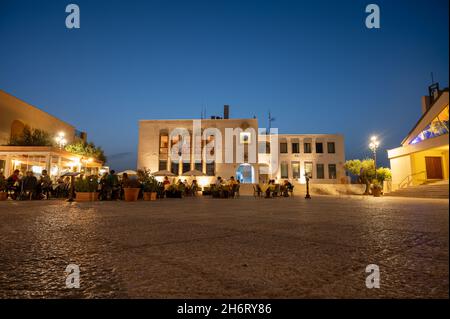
226, 189
182, 186
30, 187
271, 189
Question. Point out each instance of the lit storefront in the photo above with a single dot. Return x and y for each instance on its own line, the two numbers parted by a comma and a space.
38, 158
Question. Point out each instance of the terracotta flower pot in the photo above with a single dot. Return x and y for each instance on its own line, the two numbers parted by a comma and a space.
376, 192
131, 194
3, 196
148, 196
83, 197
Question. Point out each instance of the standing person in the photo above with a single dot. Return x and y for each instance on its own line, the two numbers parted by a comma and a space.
113, 184
46, 184
104, 186
123, 184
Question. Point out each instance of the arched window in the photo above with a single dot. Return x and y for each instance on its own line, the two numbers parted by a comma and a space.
16, 128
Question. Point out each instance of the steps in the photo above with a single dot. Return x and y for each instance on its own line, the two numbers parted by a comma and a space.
430, 190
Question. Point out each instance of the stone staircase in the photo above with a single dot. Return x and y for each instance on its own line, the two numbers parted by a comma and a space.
429, 190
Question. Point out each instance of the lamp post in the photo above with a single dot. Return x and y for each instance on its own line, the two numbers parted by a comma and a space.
374, 143
308, 196
61, 140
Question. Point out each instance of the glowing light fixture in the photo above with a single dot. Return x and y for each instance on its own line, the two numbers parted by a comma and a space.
61, 140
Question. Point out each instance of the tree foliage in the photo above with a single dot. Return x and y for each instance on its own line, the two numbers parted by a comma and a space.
87, 150
365, 170
31, 137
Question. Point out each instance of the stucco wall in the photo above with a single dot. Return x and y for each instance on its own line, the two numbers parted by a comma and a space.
149, 133
12, 109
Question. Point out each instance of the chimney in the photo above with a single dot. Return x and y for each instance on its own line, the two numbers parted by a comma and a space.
226, 112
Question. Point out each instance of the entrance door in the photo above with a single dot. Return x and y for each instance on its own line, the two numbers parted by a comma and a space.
245, 174
434, 167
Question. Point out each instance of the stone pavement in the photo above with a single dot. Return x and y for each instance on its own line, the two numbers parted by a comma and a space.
211, 248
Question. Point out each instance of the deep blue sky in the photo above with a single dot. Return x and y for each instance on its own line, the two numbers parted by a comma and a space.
312, 63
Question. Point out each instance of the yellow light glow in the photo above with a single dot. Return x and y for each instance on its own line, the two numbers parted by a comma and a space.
203, 181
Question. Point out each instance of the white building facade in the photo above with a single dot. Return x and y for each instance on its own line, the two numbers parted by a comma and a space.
238, 147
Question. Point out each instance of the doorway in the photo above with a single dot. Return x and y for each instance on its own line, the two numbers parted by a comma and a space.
245, 173
434, 167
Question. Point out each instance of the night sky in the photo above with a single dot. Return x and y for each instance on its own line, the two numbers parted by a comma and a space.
314, 64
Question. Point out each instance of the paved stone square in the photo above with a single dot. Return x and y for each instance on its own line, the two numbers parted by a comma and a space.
218, 248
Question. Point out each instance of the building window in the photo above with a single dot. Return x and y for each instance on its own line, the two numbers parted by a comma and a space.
245, 138
164, 144
283, 148
186, 167
319, 147
309, 169
198, 166
307, 147
331, 147
332, 171
264, 147
320, 171
211, 168
284, 170
295, 148
162, 165
295, 170
437, 127
174, 167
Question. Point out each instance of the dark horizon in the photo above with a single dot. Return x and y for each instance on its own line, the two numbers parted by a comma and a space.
317, 68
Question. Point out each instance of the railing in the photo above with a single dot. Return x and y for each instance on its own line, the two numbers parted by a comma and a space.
408, 180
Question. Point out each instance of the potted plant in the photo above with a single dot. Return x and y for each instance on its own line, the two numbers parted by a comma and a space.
150, 185
376, 188
86, 189
3, 189
174, 192
131, 190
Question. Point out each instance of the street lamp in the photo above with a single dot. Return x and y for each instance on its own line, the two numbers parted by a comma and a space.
61, 140
374, 143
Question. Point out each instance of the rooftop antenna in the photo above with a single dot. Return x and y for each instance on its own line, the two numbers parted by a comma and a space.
432, 78
271, 119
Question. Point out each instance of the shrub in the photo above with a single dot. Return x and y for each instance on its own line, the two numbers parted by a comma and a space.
148, 181
31, 137
86, 185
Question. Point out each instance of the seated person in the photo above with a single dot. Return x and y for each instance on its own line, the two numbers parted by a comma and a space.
194, 186
219, 181
46, 184
286, 188
30, 185
166, 182
232, 183
270, 188
13, 184
180, 185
